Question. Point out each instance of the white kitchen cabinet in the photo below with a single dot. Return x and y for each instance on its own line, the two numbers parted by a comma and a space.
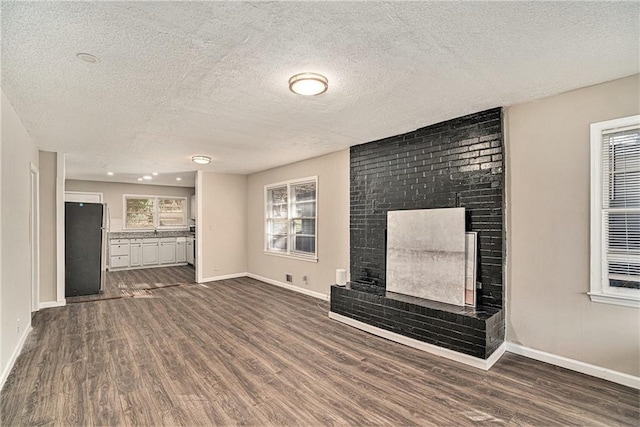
135, 254
119, 261
190, 250
150, 254
167, 251
181, 250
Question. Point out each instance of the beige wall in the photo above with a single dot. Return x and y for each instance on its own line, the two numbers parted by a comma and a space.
333, 222
548, 196
222, 226
17, 151
48, 281
113, 191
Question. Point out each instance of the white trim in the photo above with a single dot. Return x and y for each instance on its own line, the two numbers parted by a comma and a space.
600, 291
14, 356
223, 277
60, 228
199, 223
575, 365
476, 362
290, 287
80, 196
52, 304
34, 234
296, 257
622, 300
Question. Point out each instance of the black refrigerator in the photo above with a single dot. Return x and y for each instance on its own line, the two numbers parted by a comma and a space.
85, 240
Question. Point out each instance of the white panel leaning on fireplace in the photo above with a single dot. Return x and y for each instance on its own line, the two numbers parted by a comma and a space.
426, 254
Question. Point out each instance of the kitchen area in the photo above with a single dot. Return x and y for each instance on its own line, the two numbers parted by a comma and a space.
139, 236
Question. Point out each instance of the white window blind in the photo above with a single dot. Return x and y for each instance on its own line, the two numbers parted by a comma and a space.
621, 206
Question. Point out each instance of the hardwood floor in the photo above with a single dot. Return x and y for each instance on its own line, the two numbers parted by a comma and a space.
244, 352
138, 283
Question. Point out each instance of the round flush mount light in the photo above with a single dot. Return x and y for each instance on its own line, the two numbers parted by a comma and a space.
110, 173
308, 84
139, 179
87, 57
178, 179
155, 174
147, 177
201, 160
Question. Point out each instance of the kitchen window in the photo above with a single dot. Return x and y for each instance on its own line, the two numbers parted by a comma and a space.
615, 212
291, 218
151, 212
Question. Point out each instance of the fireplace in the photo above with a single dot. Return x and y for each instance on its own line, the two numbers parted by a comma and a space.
454, 164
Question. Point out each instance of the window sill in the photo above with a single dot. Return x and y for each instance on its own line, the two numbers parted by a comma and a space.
298, 258
623, 300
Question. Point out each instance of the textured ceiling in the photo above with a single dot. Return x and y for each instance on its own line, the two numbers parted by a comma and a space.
178, 79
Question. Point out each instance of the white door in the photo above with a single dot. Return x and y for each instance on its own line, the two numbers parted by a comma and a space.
167, 253
134, 259
181, 251
150, 254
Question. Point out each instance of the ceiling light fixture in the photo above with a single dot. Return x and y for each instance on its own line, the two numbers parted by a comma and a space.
308, 84
110, 173
87, 57
147, 177
139, 179
178, 179
201, 160
155, 174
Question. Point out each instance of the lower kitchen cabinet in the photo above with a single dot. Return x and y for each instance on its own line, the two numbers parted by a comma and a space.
190, 251
140, 252
168, 252
135, 257
150, 253
181, 251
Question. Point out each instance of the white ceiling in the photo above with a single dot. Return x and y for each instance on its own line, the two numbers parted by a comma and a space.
178, 79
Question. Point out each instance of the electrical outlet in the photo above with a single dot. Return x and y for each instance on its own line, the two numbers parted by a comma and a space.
304, 280
288, 278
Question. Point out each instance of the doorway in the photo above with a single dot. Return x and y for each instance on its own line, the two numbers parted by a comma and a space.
34, 234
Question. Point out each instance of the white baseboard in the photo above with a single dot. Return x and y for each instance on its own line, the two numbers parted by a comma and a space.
476, 362
223, 277
51, 304
575, 365
14, 356
289, 286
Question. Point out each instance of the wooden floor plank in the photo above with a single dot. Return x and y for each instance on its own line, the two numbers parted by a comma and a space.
167, 351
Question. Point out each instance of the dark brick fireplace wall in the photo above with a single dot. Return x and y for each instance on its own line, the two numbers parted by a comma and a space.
458, 163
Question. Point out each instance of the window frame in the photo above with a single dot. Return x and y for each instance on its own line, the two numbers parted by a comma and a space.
156, 218
600, 289
289, 253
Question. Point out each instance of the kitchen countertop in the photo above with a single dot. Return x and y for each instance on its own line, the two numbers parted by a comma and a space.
148, 234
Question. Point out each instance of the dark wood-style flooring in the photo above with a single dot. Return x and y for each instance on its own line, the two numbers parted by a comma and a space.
244, 352
138, 283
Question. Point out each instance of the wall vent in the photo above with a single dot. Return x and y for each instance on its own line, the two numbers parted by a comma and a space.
288, 278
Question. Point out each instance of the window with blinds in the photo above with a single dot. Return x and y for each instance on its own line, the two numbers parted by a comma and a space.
615, 209
290, 218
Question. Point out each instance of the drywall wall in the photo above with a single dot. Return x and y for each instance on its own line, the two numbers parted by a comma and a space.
333, 223
112, 193
17, 152
48, 270
548, 202
222, 225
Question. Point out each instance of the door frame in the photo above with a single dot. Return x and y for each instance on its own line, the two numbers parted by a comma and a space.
34, 234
